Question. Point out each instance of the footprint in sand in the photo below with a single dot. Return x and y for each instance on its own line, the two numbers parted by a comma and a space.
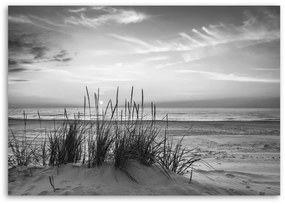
78, 188
43, 193
230, 176
31, 188
67, 193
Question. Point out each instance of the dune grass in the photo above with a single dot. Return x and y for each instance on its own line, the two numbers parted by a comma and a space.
24, 152
112, 135
65, 143
176, 158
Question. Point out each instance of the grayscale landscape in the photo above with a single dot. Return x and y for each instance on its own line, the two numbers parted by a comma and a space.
143, 100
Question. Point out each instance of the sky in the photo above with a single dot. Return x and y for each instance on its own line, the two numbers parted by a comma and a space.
180, 55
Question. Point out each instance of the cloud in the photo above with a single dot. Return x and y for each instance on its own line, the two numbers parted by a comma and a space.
192, 40
133, 41
257, 29
22, 19
39, 52
121, 16
144, 47
62, 56
16, 80
29, 48
229, 77
266, 69
207, 31
20, 80
47, 22
17, 69
206, 37
24, 44
19, 19
100, 7
15, 66
22, 65
111, 15
126, 17
12, 62
79, 10
18, 44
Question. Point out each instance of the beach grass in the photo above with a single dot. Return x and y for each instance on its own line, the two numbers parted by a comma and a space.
112, 135
65, 143
24, 151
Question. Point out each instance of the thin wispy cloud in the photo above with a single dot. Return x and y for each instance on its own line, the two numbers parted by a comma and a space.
156, 58
251, 31
19, 19
266, 69
77, 10
80, 18
112, 15
158, 46
192, 40
133, 40
22, 19
46, 21
229, 77
16, 80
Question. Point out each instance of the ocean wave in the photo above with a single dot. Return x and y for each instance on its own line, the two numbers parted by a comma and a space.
174, 114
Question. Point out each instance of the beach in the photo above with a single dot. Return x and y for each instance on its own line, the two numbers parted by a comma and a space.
238, 158
143, 100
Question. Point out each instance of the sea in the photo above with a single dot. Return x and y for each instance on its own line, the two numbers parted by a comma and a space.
172, 114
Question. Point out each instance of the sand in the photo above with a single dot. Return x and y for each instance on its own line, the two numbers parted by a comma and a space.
244, 159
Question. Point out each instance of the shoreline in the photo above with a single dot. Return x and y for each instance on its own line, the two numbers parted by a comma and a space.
158, 121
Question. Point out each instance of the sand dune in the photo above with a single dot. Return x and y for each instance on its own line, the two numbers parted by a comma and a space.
241, 164
106, 180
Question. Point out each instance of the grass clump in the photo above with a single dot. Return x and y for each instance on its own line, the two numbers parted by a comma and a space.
23, 150
99, 146
101, 133
65, 143
121, 152
176, 158
111, 135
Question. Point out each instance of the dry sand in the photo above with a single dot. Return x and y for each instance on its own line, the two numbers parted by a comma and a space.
245, 160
